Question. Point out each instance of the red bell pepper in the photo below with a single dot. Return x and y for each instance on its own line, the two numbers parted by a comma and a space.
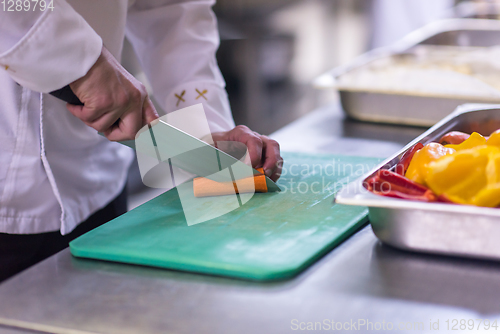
454, 138
405, 160
390, 184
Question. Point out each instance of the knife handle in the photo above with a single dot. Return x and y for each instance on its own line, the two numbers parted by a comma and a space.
67, 95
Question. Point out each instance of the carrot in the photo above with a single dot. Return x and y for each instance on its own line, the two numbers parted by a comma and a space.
204, 187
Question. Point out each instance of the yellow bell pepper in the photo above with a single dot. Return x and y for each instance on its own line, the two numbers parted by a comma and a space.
418, 168
488, 196
474, 140
494, 139
469, 176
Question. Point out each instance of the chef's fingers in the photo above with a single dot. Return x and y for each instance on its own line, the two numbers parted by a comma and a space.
90, 112
86, 114
149, 113
273, 162
106, 121
277, 172
101, 123
102, 113
126, 127
74, 109
252, 141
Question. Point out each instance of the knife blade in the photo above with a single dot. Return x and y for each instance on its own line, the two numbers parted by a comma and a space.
182, 150
194, 155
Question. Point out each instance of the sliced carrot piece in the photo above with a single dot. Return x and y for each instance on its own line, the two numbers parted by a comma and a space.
204, 187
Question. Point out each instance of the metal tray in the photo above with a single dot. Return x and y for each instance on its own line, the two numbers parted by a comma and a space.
459, 230
387, 107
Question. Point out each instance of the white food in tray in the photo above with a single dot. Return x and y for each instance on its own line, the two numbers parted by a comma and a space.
438, 71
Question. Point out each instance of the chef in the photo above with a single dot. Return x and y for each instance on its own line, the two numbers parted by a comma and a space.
58, 177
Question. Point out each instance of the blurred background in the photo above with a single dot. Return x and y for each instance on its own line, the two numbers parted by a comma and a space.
271, 51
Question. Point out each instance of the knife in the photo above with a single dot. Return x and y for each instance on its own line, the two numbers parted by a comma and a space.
188, 152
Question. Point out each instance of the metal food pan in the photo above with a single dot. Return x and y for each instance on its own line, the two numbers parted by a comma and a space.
412, 109
448, 229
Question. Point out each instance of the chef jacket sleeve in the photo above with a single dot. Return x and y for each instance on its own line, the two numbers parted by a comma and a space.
176, 43
47, 50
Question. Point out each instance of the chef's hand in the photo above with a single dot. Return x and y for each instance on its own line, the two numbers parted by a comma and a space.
115, 103
264, 152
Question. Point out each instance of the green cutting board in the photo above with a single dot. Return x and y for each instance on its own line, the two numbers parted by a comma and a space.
272, 236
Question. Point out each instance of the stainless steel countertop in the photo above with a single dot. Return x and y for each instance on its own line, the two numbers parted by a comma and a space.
360, 279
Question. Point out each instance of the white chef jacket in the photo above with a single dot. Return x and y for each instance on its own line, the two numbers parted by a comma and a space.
54, 170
